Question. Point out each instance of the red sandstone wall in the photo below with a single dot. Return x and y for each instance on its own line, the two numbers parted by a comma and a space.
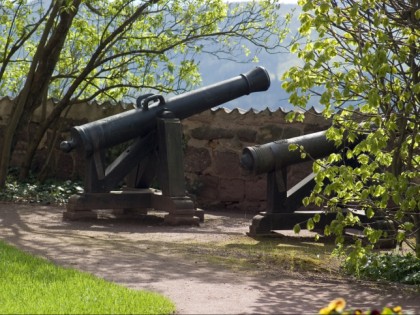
215, 140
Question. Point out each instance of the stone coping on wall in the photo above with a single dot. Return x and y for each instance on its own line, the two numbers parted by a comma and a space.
94, 110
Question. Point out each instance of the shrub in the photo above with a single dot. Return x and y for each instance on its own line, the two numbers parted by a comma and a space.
33, 191
389, 267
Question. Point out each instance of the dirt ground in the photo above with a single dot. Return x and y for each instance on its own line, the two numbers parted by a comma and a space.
139, 255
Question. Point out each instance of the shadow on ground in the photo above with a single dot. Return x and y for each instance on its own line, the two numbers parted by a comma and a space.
138, 254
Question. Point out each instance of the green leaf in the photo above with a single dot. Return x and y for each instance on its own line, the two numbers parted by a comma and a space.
290, 116
324, 7
363, 159
370, 213
407, 226
310, 225
379, 191
296, 228
307, 6
327, 230
401, 236
294, 48
316, 168
293, 147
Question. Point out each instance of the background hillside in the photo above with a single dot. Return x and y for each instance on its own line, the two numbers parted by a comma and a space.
214, 70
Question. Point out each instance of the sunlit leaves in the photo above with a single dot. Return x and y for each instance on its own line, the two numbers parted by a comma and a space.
363, 159
18, 20
114, 49
363, 57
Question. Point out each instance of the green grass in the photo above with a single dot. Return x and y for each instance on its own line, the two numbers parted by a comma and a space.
32, 285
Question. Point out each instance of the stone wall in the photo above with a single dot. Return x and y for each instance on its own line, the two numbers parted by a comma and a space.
214, 141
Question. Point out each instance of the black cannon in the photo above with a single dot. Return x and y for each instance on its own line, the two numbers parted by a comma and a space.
276, 155
155, 152
283, 202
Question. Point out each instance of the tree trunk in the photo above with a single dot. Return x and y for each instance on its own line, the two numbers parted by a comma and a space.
37, 137
416, 218
43, 173
20, 106
65, 102
6, 145
49, 57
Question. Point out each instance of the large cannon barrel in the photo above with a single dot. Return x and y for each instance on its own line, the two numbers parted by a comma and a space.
267, 157
137, 122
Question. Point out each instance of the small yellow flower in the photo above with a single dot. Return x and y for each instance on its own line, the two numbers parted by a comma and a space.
339, 305
324, 311
336, 306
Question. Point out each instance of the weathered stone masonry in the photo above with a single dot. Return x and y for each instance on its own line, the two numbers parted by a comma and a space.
213, 142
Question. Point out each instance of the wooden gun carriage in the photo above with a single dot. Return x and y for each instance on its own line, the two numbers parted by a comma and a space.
284, 203
155, 154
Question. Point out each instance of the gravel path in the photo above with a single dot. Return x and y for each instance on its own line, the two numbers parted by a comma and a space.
139, 255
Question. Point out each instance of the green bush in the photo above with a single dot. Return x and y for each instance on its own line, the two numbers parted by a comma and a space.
33, 191
389, 267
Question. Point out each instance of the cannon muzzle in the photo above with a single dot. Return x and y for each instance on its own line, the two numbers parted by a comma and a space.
270, 156
138, 122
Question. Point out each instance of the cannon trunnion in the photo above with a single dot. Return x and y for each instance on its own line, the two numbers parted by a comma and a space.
155, 155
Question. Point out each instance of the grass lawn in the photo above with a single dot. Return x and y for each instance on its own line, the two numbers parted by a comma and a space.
32, 285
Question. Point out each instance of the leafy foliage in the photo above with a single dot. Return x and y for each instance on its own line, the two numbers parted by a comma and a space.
389, 267
80, 51
33, 191
361, 60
